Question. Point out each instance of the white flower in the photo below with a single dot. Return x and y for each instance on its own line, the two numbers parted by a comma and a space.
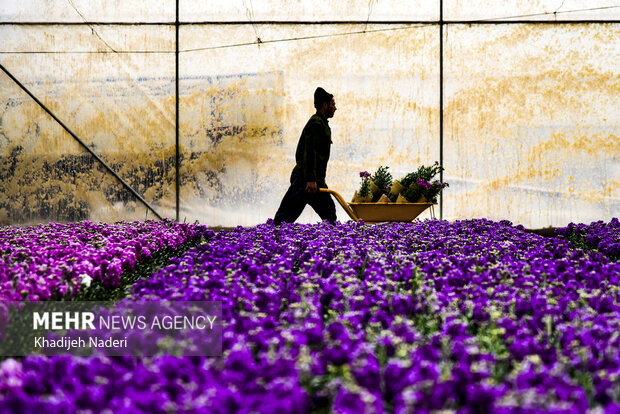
86, 280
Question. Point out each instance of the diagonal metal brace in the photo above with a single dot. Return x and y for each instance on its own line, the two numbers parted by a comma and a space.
102, 162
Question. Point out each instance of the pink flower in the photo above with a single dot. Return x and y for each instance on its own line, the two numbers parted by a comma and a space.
11, 375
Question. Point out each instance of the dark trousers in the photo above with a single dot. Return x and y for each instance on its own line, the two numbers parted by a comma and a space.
296, 198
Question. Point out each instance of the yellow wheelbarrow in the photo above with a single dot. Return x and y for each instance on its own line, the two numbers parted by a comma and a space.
379, 212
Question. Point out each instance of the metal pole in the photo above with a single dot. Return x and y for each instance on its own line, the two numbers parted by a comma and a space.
107, 167
441, 24
499, 21
176, 102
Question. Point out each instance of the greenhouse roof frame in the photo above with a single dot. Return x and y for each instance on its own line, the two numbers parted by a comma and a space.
296, 22
496, 20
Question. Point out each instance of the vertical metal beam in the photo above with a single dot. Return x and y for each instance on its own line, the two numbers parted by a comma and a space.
177, 158
441, 25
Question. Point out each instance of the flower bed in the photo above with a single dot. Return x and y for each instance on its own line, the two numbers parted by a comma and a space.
473, 315
601, 236
56, 260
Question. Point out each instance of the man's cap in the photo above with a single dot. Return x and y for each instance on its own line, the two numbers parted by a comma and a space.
320, 96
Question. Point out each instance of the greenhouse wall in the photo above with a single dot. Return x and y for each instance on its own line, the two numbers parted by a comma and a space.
518, 100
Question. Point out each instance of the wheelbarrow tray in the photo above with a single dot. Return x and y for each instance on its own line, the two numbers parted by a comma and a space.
381, 212
374, 212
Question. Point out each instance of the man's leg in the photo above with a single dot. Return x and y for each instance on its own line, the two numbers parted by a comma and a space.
324, 206
293, 202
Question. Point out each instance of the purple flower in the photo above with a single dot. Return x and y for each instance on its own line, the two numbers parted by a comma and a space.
423, 184
413, 317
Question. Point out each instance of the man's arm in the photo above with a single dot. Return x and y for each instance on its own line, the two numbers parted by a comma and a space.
310, 157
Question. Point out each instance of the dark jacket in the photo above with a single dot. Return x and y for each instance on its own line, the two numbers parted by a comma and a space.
313, 149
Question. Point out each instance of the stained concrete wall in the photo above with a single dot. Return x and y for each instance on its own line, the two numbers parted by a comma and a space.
530, 110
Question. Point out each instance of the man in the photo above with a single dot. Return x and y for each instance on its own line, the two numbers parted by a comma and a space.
311, 160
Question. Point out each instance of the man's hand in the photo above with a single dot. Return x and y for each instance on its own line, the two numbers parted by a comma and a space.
311, 187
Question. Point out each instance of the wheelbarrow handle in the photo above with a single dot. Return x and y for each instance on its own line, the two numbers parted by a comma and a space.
342, 203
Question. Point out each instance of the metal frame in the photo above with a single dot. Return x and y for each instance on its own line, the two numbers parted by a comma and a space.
505, 20
177, 155
177, 24
441, 25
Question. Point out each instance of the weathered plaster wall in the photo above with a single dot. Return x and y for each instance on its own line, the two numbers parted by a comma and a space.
532, 126
385, 85
120, 105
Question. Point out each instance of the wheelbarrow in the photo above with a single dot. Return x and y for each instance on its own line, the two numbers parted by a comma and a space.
379, 212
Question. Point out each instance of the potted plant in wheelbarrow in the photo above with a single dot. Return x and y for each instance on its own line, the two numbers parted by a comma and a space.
420, 186
380, 199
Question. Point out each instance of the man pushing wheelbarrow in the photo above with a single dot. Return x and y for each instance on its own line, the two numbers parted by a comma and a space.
308, 178
311, 157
